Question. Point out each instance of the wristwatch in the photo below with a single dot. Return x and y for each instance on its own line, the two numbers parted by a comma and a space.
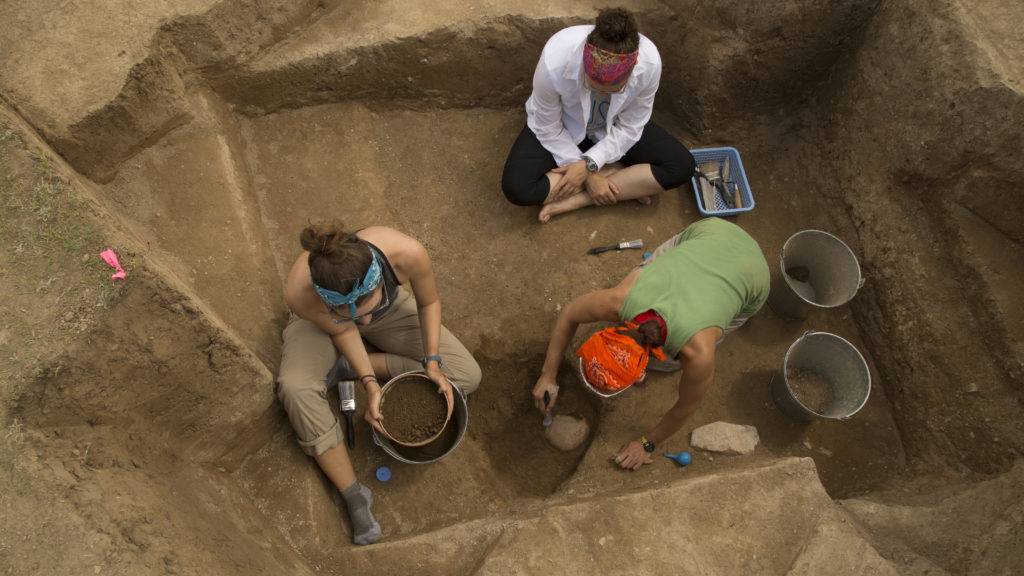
591, 165
428, 359
647, 444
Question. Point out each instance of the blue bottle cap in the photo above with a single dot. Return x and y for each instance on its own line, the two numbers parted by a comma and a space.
647, 255
383, 474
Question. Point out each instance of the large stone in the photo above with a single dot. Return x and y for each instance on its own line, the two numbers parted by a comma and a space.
567, 432
725, 438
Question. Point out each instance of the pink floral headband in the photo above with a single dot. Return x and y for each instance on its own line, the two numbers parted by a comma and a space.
607, 68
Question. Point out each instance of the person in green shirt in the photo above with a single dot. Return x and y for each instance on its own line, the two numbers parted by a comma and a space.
694, 289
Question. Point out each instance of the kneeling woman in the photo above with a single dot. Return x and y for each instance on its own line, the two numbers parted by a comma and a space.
341, 291
693, 290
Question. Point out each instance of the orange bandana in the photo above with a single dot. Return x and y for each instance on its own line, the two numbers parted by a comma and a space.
613, 361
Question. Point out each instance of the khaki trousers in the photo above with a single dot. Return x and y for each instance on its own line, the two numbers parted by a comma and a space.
308, 354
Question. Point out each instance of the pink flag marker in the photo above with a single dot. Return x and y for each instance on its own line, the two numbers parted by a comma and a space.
110, 258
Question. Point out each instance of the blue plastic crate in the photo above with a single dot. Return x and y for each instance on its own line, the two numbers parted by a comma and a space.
736, 175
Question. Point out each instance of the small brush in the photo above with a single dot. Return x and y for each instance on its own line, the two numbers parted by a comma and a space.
347, 403
631, 245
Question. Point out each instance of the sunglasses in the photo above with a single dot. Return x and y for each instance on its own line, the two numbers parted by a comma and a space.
385, 301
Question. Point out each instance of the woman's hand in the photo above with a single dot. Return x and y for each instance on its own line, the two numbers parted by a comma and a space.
632, 456
372, 414
545, 384
571, 182
602, 191
443, 385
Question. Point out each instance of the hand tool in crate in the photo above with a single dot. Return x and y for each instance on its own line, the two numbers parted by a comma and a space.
730, 195
713, 177
720, 183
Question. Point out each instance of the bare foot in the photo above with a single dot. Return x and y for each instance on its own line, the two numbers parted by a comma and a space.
645, 200
545, 214
574, 202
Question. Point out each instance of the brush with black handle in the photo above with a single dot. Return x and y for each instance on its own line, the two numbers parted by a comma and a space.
341, 375
347, 402
631, 245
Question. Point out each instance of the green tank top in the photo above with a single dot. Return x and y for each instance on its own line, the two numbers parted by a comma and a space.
715, 273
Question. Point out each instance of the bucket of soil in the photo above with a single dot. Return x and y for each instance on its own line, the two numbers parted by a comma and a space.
823, 377
414, 413
816, 270
427, 445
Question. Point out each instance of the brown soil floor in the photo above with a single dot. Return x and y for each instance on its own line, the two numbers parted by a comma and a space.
164, 392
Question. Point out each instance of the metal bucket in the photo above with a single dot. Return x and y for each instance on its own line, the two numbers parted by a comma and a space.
838, 363
438, 448
833, 274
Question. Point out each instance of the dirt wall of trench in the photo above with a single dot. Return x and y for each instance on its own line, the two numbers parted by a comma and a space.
918, 154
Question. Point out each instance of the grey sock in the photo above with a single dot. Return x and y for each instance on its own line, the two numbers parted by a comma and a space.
359, 499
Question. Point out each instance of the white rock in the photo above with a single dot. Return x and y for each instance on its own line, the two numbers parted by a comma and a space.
725, 438
567, 432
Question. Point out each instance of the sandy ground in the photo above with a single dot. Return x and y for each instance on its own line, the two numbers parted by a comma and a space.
142, 435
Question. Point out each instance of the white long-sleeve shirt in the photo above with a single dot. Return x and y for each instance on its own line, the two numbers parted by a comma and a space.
557, 110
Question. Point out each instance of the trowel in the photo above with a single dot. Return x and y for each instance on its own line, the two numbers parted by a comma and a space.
547, 417
709, 173
347, 402
723, 185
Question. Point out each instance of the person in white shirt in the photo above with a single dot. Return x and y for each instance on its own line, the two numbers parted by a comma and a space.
589, 138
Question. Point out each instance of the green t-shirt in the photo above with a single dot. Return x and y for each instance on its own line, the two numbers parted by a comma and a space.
715, 273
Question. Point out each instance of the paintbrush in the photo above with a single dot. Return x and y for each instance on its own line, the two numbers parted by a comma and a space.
347, 403
632, 244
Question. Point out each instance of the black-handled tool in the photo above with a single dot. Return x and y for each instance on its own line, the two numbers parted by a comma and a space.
547, 417
632, 244
347, 402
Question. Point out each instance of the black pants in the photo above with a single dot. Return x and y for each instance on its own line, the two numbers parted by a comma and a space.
525, 183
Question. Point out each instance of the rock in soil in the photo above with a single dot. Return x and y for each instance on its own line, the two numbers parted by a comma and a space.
567, 432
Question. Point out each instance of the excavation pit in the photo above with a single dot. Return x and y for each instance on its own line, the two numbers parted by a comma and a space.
157, 425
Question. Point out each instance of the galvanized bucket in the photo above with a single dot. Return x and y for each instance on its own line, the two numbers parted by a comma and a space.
838, 363
833, 274
440, 447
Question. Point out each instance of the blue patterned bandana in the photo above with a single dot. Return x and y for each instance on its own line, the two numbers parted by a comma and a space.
365, 286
